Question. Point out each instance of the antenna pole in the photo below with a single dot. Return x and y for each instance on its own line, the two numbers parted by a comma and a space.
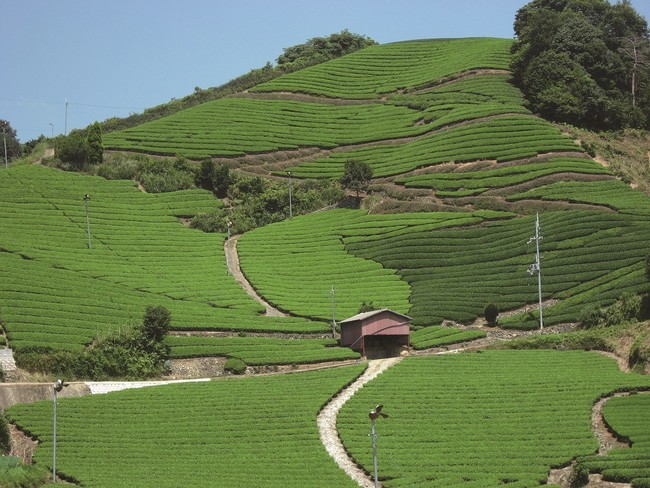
333, 315
65, 125
537, 268
4, 139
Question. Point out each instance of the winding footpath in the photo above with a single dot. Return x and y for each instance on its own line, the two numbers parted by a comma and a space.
232, 261
327, 421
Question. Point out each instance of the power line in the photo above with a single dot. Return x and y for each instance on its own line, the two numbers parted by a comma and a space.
49, 102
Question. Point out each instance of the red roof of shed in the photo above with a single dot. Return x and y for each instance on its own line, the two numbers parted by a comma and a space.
365, 315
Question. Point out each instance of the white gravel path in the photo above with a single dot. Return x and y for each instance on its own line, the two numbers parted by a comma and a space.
327, 421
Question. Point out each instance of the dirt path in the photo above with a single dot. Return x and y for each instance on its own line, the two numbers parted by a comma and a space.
607, 441
327, 421
232, 261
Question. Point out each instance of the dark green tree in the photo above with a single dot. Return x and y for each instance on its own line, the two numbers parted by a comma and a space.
319, 49
8, 134
156, 322
357, 175
491, 313
214, 177
95, 145
72, 149
583, 62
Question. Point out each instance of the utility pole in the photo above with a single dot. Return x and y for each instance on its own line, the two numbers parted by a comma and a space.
4, 139
537, 268
333, 315
290, 206
86, 199
58, 386
374, 414
65, 130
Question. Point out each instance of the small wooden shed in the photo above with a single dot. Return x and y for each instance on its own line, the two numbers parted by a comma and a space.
378, 333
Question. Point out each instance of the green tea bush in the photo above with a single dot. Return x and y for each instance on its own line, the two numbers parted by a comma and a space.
235, 366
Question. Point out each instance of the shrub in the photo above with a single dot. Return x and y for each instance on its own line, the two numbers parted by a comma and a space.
138, 352
214, 221
21, 476
5, 436
366, 307
491, 314
235, 366
72, 149
120, 167
591, 317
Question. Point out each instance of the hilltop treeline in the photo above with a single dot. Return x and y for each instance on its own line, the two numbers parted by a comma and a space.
584, 62
315, 51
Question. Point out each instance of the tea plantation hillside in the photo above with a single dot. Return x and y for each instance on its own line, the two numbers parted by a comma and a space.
488, 419
437, 121
467, 420
238, 432
59, 290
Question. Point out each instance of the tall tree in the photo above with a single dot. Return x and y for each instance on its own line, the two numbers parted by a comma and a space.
357, 175
583, 62
8, 134
95, 146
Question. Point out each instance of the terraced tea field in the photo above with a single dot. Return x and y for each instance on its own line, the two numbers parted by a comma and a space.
465, 420
629, 418
387, 68
57, 292
295, 263
484, 419
242, 432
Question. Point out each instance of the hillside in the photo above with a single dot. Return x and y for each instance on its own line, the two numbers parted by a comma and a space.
461, 170
438, 122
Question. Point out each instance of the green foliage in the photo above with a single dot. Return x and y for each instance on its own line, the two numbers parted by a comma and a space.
320, 49
24, 476
95, 146
155, 323
627, 307
10, 138
628, 417
256, 202
214, 177
356, 176
583, 62
235, 366
161, 175
491, 313
134, 353
459, 411
258, 431
367, 307
647, 266
72, 149
5, 436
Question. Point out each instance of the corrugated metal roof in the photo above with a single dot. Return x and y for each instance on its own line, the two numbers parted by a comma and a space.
365, 315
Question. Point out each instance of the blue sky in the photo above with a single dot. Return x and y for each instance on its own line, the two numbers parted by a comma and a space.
109, 59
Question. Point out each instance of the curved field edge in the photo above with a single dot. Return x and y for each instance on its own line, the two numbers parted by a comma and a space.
477, 419
57, 292
295, 264
243, 432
